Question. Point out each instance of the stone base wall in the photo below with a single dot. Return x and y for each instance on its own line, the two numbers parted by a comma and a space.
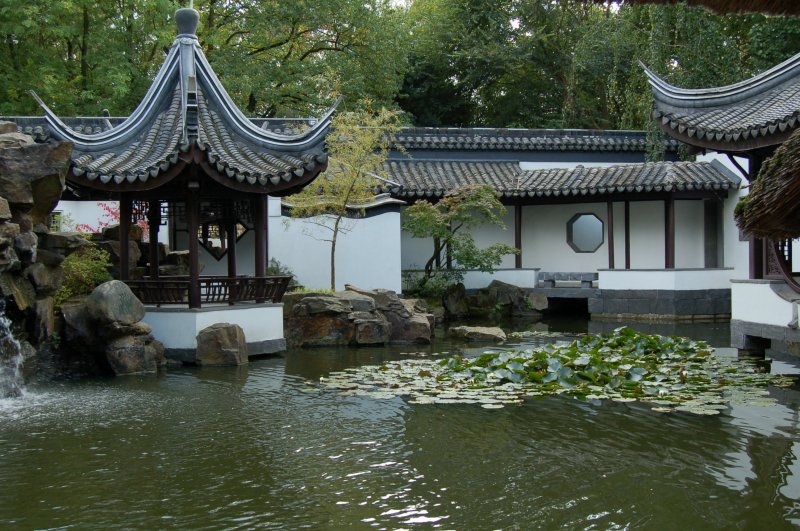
757, 336
708, 304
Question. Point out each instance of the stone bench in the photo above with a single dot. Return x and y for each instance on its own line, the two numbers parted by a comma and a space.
549, 279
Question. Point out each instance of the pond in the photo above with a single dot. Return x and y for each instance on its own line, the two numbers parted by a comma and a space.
261, 447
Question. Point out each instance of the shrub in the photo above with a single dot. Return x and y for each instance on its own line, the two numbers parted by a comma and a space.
84, 270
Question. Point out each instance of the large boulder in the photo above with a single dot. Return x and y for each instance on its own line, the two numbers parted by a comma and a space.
354, 317
134, 355
478, 333
32, 176
409, 320
62, 243
498, 298
114, 302
19, 288
78, 327
112, 232
221, 344
113, 247
45, 279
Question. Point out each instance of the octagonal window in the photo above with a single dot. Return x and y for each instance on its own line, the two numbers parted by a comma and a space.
585, 233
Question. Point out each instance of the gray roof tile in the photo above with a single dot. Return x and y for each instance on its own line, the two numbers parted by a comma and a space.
476, 139
420, 179
756, 112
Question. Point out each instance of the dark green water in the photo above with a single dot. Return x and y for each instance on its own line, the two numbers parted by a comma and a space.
252, 448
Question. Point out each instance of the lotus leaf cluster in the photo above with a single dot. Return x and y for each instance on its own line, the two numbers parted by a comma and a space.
671, 373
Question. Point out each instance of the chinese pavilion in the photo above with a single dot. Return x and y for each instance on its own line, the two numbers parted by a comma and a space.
188, 152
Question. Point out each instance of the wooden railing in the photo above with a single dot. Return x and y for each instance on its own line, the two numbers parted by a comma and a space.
213, 289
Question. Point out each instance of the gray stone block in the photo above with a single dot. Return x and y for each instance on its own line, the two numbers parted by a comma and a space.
685, 307
640, 306
596, 305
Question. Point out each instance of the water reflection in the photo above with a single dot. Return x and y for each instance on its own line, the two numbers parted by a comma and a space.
257, 447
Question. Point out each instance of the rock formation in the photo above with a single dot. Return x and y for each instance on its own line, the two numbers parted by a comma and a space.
499, 298
221, 344
354, 317
478, 333
32, 177
107, 323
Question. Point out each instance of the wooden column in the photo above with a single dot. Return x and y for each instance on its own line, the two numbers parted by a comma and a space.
610, 216
124, 237
154, 223
669, 233
757, 247
230, 235
193, 224
518, 236
260, 227
627, 234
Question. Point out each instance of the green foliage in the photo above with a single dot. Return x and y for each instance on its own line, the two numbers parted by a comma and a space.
84, 270
275, 268
540, 63
275, 58
449, 223
358, 145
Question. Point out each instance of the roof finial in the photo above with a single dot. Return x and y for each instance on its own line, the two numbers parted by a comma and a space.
187, 18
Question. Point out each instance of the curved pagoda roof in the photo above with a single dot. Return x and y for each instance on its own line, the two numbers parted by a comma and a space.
759, 112
185, 118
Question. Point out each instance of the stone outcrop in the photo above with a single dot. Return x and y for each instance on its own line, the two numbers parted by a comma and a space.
478, 333
499, 298
32, 177
354, 317
108, 323
221, 344
113, 303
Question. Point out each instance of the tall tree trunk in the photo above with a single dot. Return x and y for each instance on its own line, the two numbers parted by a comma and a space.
333, 251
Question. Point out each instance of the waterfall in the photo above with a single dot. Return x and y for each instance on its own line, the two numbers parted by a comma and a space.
11, 359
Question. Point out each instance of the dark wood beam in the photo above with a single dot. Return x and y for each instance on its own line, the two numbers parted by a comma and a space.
610, 228
153, 225
518, 236
627, 234
230, 236
669, 233
125, 205
260, 227
193, 225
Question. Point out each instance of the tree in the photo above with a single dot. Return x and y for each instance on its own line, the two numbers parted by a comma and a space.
359, 143
275, 58
449, 223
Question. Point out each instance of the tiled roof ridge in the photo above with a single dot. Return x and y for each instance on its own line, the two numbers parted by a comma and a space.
757, 112
429, 178
724, 94
500, 139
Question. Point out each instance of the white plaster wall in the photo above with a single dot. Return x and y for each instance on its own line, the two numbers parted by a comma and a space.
487, 235
415, 251
619, 235
89, 213
647, 235
544, 238
179, 329
367, 256
672, 279
755, 302
736, 252
689, 234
